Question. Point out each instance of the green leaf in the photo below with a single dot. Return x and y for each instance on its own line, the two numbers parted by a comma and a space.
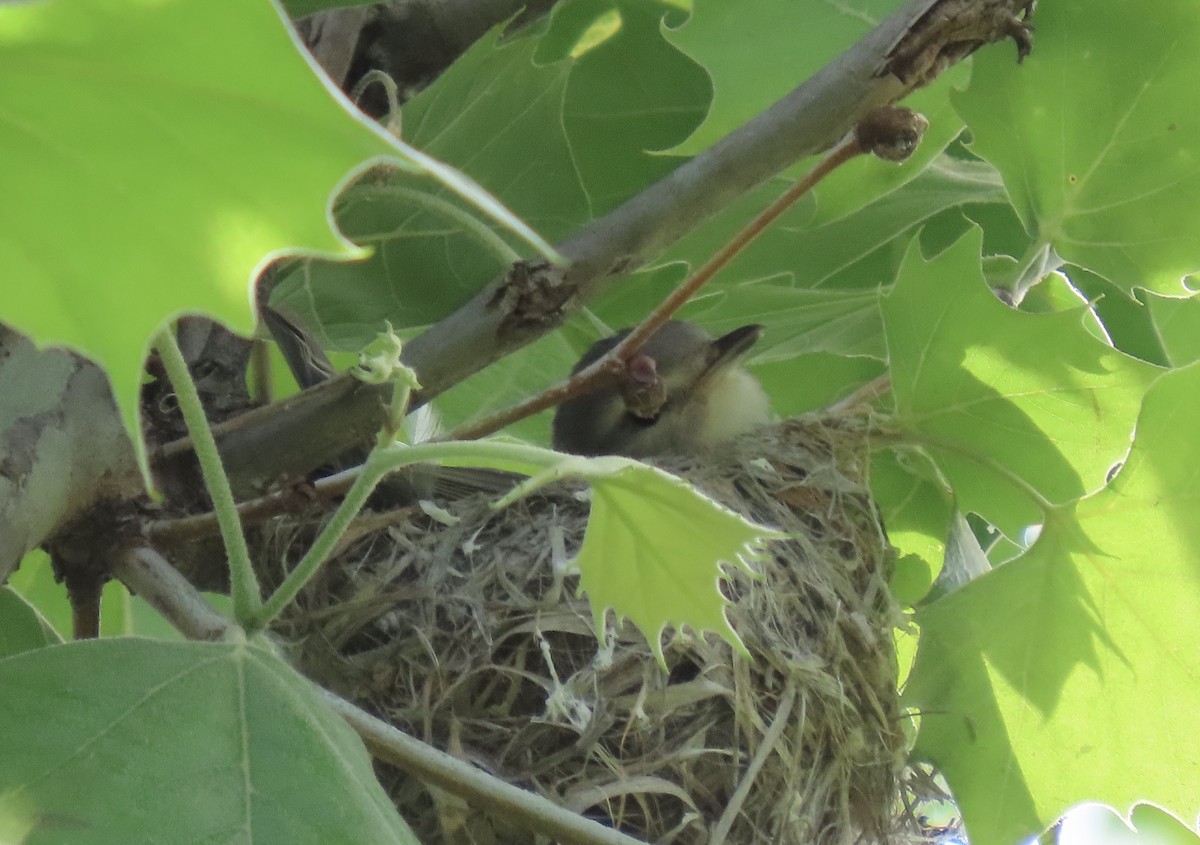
813, 282
218, 742
1069, 673
146, 179
172, 174
917, 509
558, 139
1177, 324
1126, 320
22, 628
758, 52
814, 382
1146, 825
491, 108
965, 560
508, 381
1155, 826
1098, 143
631, 96
654, 545
653, 550
1018, 410
802, 321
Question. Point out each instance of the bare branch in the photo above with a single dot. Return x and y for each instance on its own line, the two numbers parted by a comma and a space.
151, 576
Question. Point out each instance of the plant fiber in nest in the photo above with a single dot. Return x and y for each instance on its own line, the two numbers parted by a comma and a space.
470, 636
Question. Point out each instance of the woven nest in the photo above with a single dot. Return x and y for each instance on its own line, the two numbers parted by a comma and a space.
469, 635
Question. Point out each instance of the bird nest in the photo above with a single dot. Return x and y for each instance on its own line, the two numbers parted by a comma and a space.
462, 626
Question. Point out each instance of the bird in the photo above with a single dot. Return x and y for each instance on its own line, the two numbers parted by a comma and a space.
700, 396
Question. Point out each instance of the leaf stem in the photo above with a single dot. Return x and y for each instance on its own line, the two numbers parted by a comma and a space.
382, 461
1038, 261
364, 484
848, 148
243, 584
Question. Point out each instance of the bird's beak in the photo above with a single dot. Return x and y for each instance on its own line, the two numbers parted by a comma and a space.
729, 348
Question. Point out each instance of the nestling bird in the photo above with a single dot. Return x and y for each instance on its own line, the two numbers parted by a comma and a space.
704, 397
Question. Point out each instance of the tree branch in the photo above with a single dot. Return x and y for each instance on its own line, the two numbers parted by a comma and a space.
917, 42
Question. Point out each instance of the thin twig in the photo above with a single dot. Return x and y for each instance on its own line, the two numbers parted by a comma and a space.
146, 572
480, 789
609, 367
848, 148
171, 532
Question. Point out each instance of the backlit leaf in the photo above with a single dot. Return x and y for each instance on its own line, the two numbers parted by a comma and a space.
654, 548
1069, 673
1018, 410
1098, 145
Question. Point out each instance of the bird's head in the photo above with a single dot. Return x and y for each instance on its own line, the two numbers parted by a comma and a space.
684, 391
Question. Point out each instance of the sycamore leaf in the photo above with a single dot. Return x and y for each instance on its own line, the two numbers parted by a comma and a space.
22, 626
217, 741
1098, 146
559, 138
802, 320
917, 511
654, 545
629, 97
814, 283
147, 175
1070, 673
758, 52
1123, 320
815, 381
508, 381
1177, 324
1155, 826
653, 551
1018, 410
480, 115
144, 179
807, 248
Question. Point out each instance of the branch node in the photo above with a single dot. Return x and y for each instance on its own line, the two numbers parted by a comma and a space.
535, 296
892, 133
